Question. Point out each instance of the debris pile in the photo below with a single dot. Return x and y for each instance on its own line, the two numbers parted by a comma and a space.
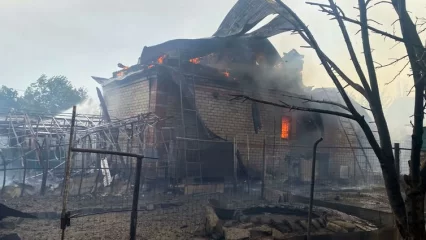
277, 222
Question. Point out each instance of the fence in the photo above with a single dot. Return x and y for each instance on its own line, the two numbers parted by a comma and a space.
171, 206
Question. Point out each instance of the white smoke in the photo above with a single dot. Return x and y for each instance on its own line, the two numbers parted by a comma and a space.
398, 118
88, 106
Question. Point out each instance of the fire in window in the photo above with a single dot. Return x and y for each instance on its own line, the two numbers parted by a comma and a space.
285, 127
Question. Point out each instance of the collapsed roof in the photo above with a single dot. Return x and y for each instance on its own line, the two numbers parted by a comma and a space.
232, 36
232, 32
242, 18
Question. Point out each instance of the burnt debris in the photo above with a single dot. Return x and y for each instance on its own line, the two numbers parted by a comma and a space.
6, 211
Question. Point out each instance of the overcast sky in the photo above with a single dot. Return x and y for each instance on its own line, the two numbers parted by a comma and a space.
81, 38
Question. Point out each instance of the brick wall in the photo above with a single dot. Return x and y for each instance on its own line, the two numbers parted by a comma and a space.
229, 120
130, 98
233, 119
126, 100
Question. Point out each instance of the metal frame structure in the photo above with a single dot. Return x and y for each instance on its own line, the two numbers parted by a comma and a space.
65, 216
349, 130
44, 136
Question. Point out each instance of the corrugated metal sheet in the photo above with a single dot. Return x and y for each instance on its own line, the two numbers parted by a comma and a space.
246, 14
243, 17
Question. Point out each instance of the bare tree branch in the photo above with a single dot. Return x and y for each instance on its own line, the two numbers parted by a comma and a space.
367, 2
291, 107
396, 44
368, 56
399, 73
393, 23
334, 66
351, 49
318, 101
421, 31
415, 84
382, 2
374, 21
396, 38
393, 62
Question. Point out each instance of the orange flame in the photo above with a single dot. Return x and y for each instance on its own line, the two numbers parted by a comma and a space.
125, 68
150, 66
195, 60
120, 74
285, 127
160, 60
226, 73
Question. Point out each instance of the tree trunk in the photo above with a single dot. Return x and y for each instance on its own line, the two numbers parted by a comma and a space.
415, 211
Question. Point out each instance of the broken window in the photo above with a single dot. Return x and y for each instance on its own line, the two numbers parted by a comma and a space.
285, 127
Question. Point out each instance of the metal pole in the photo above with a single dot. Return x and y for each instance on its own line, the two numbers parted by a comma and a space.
64, 218
107, 152
235, 164
248, 165
311, 196
397, 159
4, 171
264, 170
134, 214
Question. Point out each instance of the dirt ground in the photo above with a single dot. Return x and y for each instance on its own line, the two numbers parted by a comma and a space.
160, 217
372, 199
173, 221
151, 225
178, 222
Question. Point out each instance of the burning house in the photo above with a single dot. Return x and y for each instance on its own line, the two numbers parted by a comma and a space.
190, 83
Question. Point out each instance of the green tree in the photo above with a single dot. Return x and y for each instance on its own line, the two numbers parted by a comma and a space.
8, 98
50, 95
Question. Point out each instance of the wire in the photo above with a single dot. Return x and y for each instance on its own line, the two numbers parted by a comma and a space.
104, 212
